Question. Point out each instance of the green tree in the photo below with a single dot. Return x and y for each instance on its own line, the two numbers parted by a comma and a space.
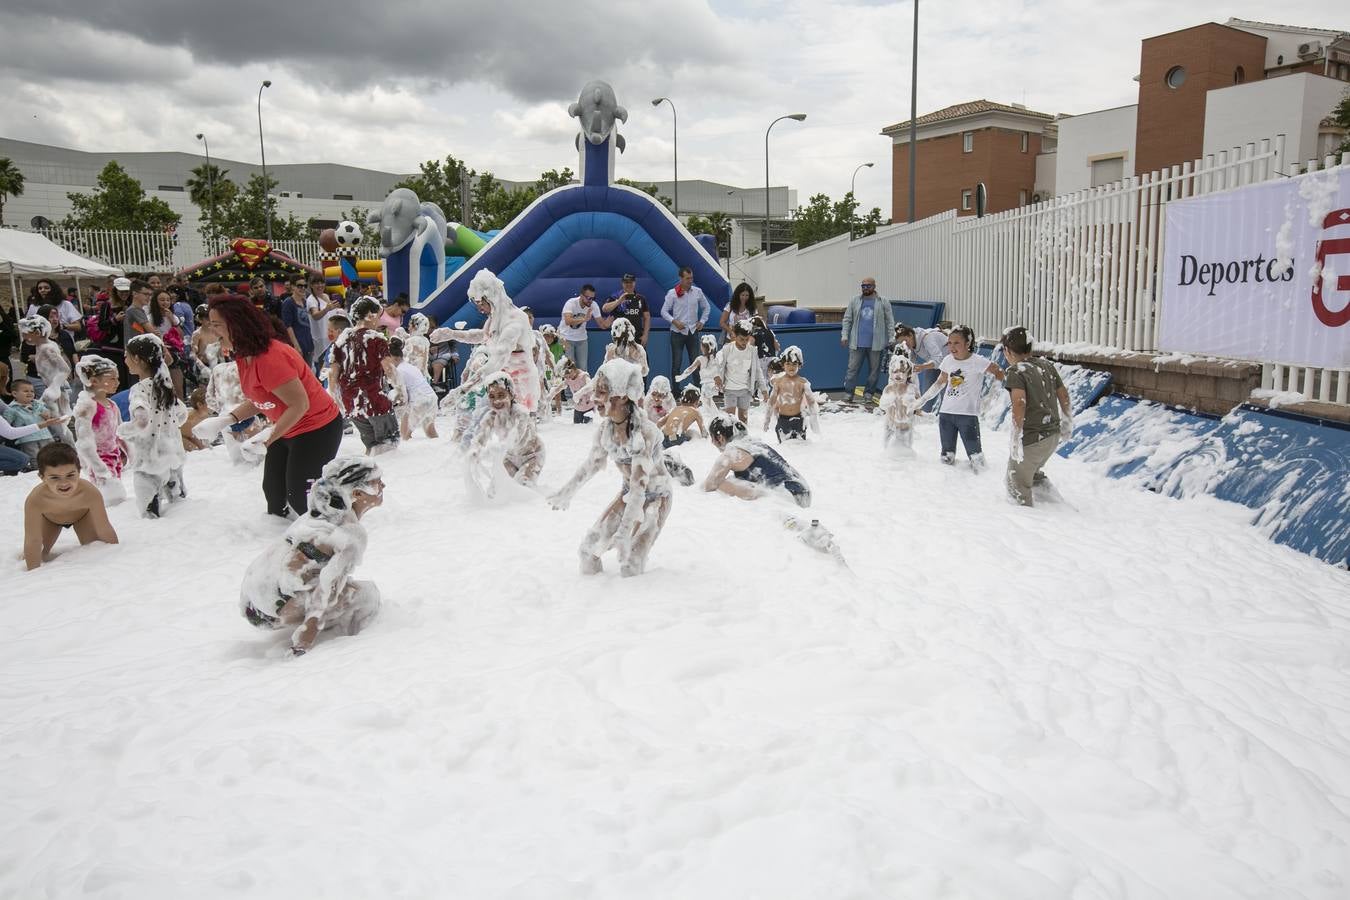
208, 189
119, 203
552, 179
819, 220
246, 216
494, 205
359, 214
439, 183
1341, 116
646, 189
11, 183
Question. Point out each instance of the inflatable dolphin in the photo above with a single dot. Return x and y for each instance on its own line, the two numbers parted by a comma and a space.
597, 108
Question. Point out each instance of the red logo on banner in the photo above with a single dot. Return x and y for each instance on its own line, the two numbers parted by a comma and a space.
250, 251
1325, 248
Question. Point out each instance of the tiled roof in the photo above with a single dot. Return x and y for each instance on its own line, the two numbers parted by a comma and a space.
1238, 23
964, 110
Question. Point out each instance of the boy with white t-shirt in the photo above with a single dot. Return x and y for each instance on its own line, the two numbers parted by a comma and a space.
740, 375
417, 402
961, 379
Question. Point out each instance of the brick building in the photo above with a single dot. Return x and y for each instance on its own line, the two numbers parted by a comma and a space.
965, 145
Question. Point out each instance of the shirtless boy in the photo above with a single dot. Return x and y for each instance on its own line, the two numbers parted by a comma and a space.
63, 500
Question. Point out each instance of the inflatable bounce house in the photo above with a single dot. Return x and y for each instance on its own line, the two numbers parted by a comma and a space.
593, 232
247, 258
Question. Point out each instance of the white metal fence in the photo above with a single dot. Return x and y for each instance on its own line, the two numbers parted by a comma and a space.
152, 251
1082, 268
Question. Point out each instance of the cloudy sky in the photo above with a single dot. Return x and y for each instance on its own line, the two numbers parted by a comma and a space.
389, 83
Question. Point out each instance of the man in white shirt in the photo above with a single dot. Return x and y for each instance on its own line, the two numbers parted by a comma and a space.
576, 314
321, 308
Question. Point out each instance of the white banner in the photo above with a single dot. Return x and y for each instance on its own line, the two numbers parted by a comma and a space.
1261, 273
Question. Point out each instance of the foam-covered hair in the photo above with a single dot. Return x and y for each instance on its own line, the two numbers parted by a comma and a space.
500, 378
487, 286
743, 327
793, 354
419, 324
727, 427
660, 385
708, 340
622, 330
366, 306
331, 496
91, 366
691, 395
624, 379
35, 325
900, 365
547, 329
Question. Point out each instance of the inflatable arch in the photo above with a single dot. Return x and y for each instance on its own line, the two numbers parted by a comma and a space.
593, 232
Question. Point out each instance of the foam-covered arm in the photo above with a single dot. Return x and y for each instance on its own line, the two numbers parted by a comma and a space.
933, 390
464, 335
693, 367
86, 445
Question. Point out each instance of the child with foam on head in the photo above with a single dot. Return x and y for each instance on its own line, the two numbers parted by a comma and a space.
659, 402
224, 394
1042, 416
709, 369
791, 398
748, 468
900, 403
62, 500
576, 381
26, 409
359, 371
96, 420
505, 437
465, 407
152, 431
739, 374
304, 581
633, 521
416, 346
961, 381
623, 344
416, 402
51, 365
677, 423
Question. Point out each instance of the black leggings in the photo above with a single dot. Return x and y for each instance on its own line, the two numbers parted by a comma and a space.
293, 463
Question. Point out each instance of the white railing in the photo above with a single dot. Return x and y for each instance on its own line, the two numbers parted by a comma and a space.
1082, 268
152, 251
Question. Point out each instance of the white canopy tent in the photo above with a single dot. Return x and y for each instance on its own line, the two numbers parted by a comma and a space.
27, 253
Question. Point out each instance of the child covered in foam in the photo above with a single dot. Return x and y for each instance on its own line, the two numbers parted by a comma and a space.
634, 519
792, 399
152, 433
899, 405
96, 420
505, 436
304, 581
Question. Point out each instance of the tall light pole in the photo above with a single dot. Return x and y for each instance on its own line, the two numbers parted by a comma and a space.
675, 132
852, 187
913, 110
741, 222
798, 117
267, 205
210, 185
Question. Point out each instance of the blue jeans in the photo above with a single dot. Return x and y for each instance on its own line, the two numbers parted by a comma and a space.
871, 383
13, 461
577, 352
689, 344
952, 424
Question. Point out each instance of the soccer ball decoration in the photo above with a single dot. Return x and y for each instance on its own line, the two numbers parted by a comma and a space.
348, 234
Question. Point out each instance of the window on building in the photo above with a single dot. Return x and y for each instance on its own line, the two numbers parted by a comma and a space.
1026, 141
1022, 198
1107, 171
967, 141
966, 199
342, 196
1239, 75
1176, 77
170, 187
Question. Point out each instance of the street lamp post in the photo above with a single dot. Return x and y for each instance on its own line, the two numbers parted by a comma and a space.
675, 132
852, 186
799, 117
913, 110
741, 222
210, 186
262, 148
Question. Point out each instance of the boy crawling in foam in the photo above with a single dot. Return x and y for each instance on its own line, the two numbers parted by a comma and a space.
62, 500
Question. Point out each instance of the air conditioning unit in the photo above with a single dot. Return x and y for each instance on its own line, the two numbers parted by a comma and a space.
1310, 49
1040, 197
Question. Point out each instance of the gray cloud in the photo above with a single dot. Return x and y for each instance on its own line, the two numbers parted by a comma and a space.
518, 45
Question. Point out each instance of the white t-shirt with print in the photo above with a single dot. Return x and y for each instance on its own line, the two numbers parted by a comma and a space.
577, 332
965, 380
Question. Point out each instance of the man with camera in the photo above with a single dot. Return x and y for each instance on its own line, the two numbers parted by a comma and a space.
629, 304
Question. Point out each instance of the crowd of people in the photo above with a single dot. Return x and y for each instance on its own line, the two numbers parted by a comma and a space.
277, 380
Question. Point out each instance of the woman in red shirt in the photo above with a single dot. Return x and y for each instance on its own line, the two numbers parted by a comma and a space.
306, 424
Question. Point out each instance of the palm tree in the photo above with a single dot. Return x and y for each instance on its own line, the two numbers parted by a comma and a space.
11, 183
721, 228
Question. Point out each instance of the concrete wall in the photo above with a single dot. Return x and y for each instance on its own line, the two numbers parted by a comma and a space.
1291, 105
1107, 132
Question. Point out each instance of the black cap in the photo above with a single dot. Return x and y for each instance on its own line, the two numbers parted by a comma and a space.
628, 276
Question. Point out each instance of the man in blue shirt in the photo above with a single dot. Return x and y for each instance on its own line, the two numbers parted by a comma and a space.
866, 329
296, 319
687, 310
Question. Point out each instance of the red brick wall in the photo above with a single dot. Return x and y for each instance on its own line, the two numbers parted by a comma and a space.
1171, 122
944, 171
